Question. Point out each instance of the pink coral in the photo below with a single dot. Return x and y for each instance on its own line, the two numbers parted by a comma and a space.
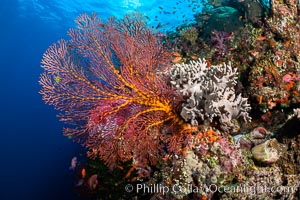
287, 78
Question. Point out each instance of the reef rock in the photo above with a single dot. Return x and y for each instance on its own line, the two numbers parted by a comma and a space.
268, 152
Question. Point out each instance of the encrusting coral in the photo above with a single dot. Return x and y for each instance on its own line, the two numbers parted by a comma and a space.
210, 93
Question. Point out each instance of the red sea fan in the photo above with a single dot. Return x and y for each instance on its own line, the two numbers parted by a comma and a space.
104, 81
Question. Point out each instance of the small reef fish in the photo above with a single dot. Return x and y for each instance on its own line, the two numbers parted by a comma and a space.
80, 182
57, 79
158, 26
287, 43
83, 172
260, 38
73, 163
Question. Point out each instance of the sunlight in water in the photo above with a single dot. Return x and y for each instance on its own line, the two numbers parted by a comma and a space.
131, 3
162, 15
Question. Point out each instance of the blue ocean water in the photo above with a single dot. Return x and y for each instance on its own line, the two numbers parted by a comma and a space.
34, 154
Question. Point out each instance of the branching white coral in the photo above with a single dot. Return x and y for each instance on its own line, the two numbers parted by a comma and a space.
297, 112
210, 93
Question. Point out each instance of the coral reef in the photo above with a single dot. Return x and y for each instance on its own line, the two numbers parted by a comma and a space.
264, 183
210, 93
205, 165
179, 126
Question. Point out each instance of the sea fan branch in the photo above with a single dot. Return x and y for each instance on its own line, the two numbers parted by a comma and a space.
104, 83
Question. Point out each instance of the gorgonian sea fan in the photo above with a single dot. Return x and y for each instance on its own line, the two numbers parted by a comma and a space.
105, 84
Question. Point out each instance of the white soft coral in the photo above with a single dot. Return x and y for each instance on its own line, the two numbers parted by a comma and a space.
210, 93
